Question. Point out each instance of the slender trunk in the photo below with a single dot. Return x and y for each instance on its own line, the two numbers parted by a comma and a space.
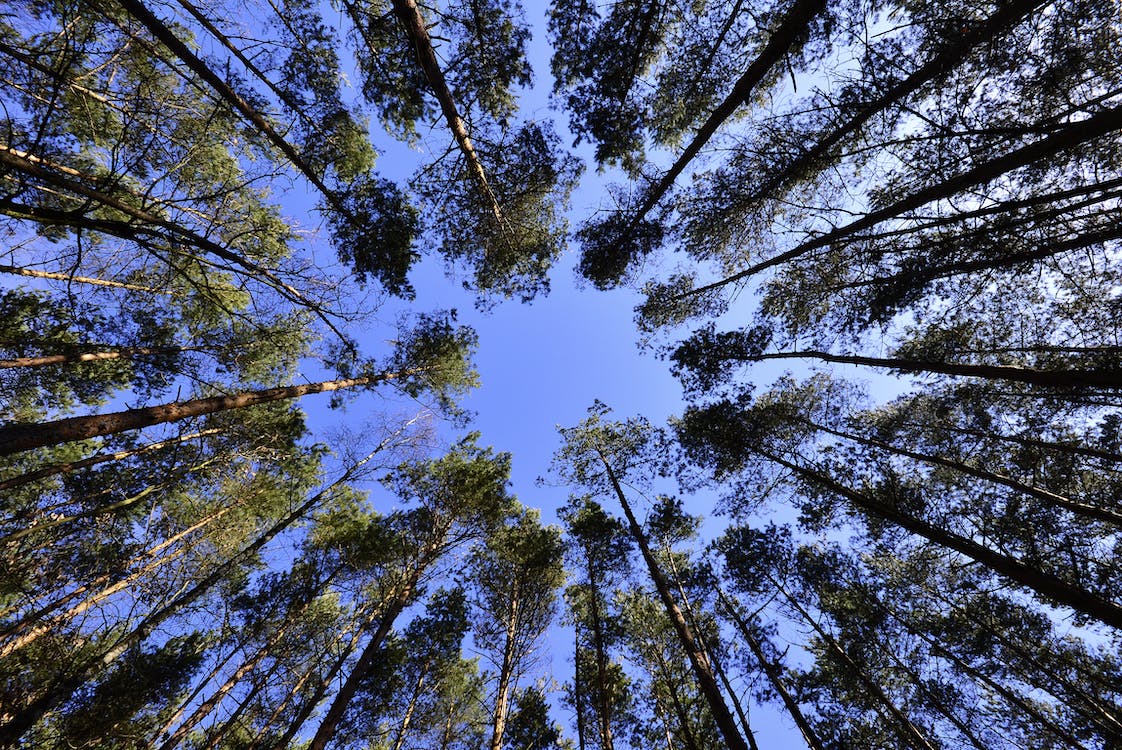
1077, 450
78, 279
1007, 16
76, 676
917, 738
679, 709
402, 730
605, 712
37, 525
187, 701
578, 687
370, 654
73, 466
506, 670
146, 223
413, 23
1059, 379
1068, 138
1078, 508
773, 675
1046, 585
103, 356
787, 34
23, 437
196, 65
698, 661
713, 659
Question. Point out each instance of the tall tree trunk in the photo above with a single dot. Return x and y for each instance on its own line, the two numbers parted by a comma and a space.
415, 695
718, 668
72, 466
370, 654
605, 712
32, 273
413, 23
698, 661
506, 671
773, 675
23, 437
75, 676
578, 687
1082, 509
1071, 136
1045, 584
1059, 379
1006, 17
793, 25
133, 352
916, 737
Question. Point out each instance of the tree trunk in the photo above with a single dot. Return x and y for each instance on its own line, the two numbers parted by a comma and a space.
415, 28
23, 437
78, 675
366, 661
1077, 508
910, 730
1007, 16
1046, 585
103, 356
793, 25
773, 676
701, 668
399, 741
506, 672
78, 279
605, 717
1071, 136
72, 466
1060, 379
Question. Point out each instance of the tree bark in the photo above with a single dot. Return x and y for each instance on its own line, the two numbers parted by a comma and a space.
134, 352
415, 28
773, 676
1060, 380
78, 279
1045, 584
794, 23
72, 466
23, 437
1081, 509
1070, 137
78, 675
701, 667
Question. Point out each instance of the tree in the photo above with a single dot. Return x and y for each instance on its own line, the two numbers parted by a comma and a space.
516, 574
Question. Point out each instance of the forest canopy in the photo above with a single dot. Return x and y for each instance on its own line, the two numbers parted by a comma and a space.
876, 243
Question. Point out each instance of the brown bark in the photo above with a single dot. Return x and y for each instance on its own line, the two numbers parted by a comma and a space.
605, 713
702, 670
793, 24
1082, 509
367, 659
196, 65
1007, 16
1071, 136
1061, 379
402, 730
32, 273
76, 676
72, 466
132, 352
23, 437
506, 671
917, 738
773, 676
413, 23
1045, 584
